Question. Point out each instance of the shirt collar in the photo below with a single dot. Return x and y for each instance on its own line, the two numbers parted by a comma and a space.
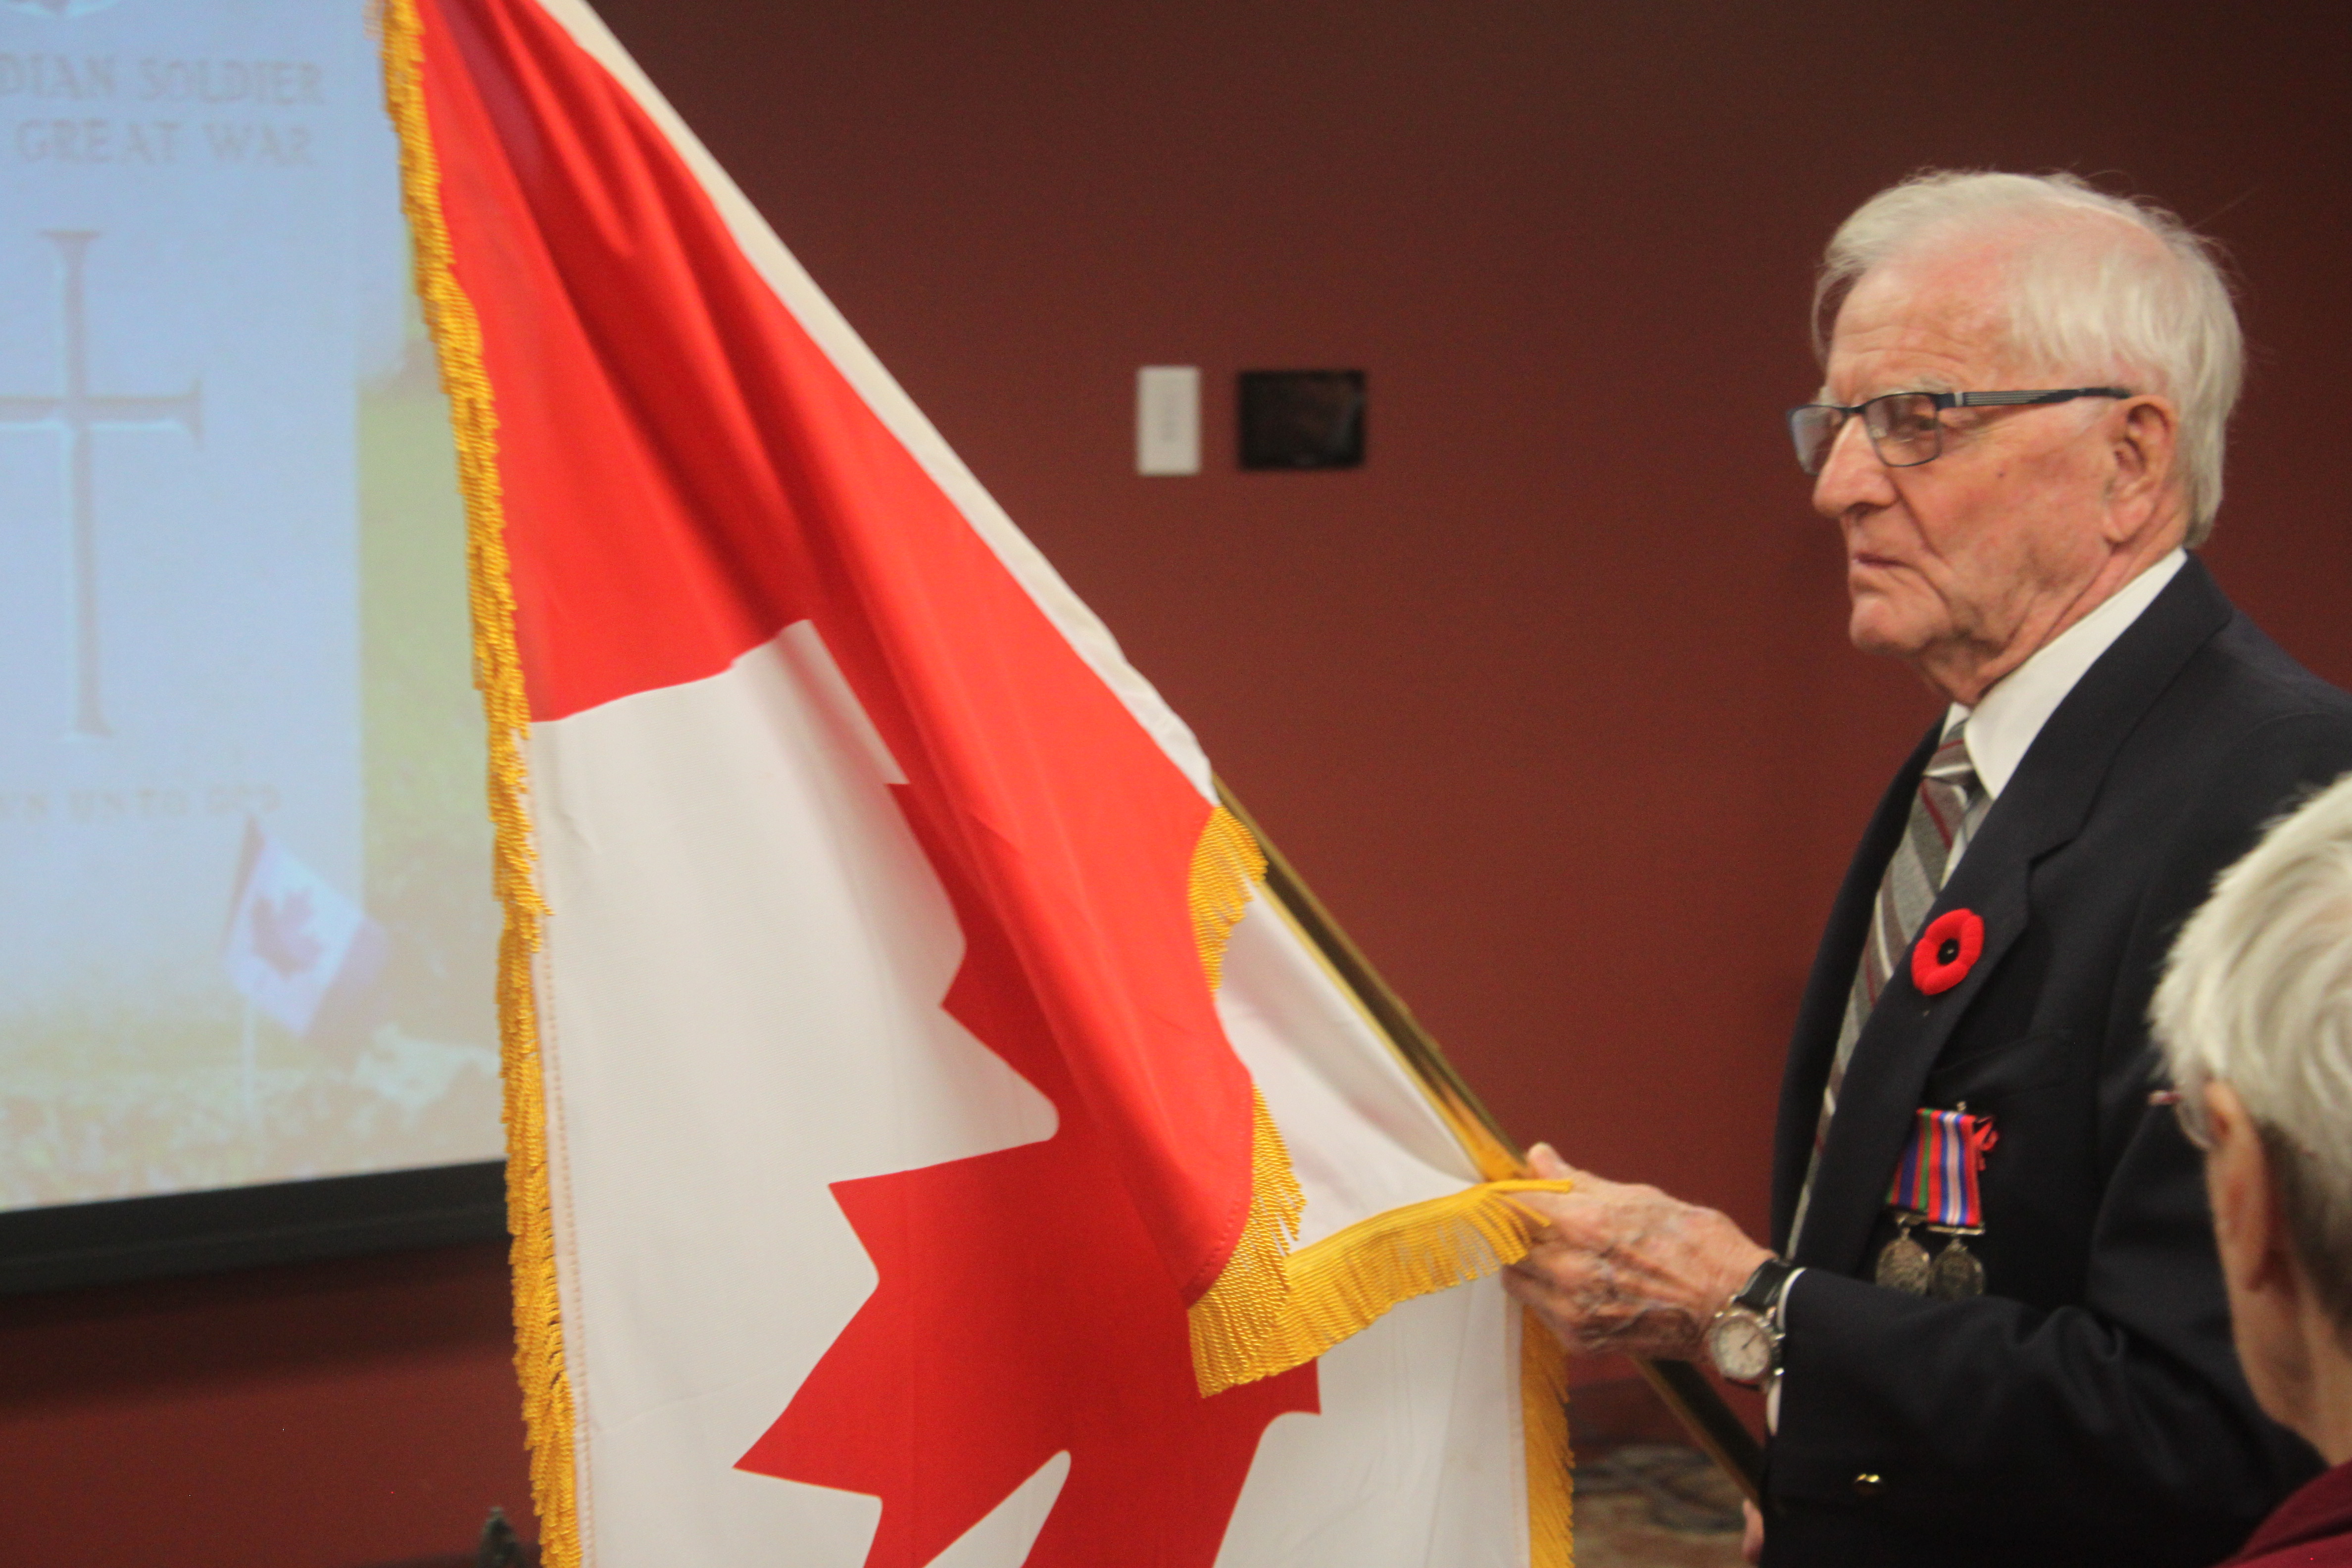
2003, 723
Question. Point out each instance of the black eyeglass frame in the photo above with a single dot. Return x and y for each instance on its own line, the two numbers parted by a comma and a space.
1941, 401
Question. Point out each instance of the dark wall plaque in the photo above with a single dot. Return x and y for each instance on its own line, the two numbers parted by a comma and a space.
1302, 418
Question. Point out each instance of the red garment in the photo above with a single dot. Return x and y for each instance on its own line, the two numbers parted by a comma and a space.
2313, 1529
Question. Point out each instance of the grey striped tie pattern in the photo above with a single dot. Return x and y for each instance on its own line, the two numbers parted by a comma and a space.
1946, 810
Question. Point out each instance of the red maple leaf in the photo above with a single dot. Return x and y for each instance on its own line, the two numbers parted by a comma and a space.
281, 932
1023, 1311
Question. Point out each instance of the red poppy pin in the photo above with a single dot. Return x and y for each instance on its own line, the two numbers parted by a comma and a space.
1947, 951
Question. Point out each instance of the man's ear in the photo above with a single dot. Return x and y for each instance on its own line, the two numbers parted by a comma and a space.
2144, 438
2250, 1223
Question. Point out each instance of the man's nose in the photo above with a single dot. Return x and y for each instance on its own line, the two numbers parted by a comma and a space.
1851, 474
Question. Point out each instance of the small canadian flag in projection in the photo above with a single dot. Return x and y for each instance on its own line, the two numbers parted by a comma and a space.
294, 941
931, 1142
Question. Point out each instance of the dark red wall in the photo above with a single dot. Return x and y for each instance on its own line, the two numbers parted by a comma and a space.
1551, 700
314, 1415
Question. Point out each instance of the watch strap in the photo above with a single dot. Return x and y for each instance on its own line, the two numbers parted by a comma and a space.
1763, 1291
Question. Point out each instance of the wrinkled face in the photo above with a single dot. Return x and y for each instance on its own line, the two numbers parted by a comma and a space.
1960, 560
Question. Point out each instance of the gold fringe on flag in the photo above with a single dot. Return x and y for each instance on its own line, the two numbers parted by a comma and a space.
1250, 1305
547, 1406
1227, 864
1543, 1415
1273, 1308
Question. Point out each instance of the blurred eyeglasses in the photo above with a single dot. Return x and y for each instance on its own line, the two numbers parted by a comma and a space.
2188, 1109
1907, 428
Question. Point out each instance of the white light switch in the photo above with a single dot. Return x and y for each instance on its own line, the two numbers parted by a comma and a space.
1167, 419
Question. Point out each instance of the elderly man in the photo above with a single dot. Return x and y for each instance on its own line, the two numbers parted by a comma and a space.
2255, 1020
1992, 1328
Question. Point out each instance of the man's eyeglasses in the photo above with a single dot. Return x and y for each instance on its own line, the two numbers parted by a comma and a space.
2189, 1109
1907, 428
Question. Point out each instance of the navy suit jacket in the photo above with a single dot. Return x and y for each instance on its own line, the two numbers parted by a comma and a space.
2088, 1407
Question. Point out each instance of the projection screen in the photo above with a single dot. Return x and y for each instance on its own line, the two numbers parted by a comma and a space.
246, 929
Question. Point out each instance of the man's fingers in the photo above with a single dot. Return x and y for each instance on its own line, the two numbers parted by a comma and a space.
1550, 1206
1544, 1160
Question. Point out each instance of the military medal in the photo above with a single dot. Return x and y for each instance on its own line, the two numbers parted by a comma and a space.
1902, 1262
1936, 1185
1955, 1274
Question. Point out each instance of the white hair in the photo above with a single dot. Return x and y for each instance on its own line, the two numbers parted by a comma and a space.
2258, 994
2102, 290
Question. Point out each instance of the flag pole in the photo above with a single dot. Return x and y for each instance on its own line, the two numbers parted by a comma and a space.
248, 1070
1680, 1385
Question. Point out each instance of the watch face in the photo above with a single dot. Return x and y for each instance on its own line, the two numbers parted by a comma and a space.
1741, 1346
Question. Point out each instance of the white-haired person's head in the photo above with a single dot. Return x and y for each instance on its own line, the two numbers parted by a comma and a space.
2094, 289
2254, 1019
2025, 387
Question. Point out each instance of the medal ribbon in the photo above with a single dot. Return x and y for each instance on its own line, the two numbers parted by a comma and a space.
1936, 1177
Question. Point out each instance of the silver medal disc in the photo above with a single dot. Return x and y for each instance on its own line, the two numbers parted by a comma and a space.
1955, 1274
1902, 1265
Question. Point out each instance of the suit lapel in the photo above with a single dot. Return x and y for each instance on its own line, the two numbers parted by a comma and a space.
2043, 807
1813, 1042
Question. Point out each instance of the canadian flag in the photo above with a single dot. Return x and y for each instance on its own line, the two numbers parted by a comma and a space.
930, 1139
298, 949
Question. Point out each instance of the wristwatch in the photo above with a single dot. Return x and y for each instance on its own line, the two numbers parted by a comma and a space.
1743, 1340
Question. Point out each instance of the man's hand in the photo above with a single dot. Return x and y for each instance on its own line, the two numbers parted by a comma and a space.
1626, 1270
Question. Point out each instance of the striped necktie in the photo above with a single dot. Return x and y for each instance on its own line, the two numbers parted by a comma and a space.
1949, 806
